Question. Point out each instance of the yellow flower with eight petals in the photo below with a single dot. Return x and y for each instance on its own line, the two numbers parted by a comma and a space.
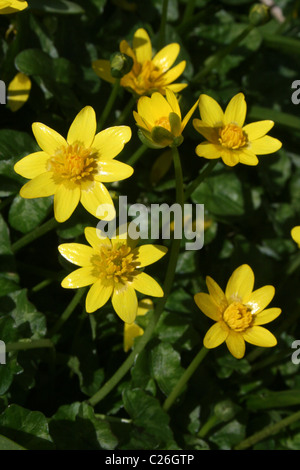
114, 267
75, 169
238, 313
295, 233
227, 137
148, 73
132, 330
12, 6
159, 119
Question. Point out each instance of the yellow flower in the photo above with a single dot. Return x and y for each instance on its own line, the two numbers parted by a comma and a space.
18, 91
148, 73
12, 6
114, 267
132, 330
238, 312
75, 169
227, 137
295, 233
159, 119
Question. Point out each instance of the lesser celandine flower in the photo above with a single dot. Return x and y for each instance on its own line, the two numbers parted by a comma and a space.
295, 233
148, 73
132, 330
18, 91
75, 169
12, 6
114, 268
226, 135
159, 119
238, 313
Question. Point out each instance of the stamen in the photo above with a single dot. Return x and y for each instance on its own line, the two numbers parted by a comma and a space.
74, 162
237, 316
116, 264
232, 136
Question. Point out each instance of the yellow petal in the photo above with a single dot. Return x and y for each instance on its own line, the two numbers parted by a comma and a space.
236, 344
208, 150
131, 331
230, 157
215, 336
142, 46
260, 298
236, 110
95, 238
148, 254
83, 128
32, 165
18, 91
145, 284
112, 170
141, 122
103, 70
209, 133
259, 336
77, 253
95, 198
48, 139
172, 74
110, 142
66, 199
207, 306
188, 116
166, 57
97, 296
210, 111
79, 278
161, 104
295, 234
177, 87
14, 6
216, 292
124, 301
147, 110
240, 284
247, 157
266, 316
144, 306
265, 145
258, 129
173, 102
42, 185
126, 49
122, 236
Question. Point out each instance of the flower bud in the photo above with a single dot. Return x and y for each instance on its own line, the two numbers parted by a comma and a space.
225, 410
259, 14
120, 64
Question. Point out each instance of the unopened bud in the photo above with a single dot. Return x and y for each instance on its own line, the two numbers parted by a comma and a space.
225, 410
120, 64
259, 14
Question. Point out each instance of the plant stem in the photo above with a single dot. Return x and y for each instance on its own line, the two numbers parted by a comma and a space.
197, 181
68, 311
29, 344
41, 285
137, 155
268, 431
162, 30
210, 423
36, 233
110, 102
170, 274
184, 378
126, 111
216, 59
189, 11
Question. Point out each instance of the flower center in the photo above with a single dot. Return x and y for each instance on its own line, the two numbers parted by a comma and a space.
237, 316
116, 264
74, 162
232, 136
163, 122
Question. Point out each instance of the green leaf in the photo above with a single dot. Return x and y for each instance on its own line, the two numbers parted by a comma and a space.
27, 214
34, 62
229, 435
166, 367
7, 444
61, 7
267, 399
29, 321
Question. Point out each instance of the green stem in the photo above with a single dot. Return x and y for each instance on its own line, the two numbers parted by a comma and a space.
36, 233
216, 59
170, 274
210, 423
197, 181
68, 311
137, 155
41, 285
162, 30
268, 431
189, 11
184, 378
29, 344
125, 113
108, 107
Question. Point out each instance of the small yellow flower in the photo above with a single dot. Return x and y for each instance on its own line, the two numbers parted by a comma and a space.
18, 91
238, 312
132, 330
12, 6
75, 169
148, 73
295, 233
227, 137
114, 267
159, 119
